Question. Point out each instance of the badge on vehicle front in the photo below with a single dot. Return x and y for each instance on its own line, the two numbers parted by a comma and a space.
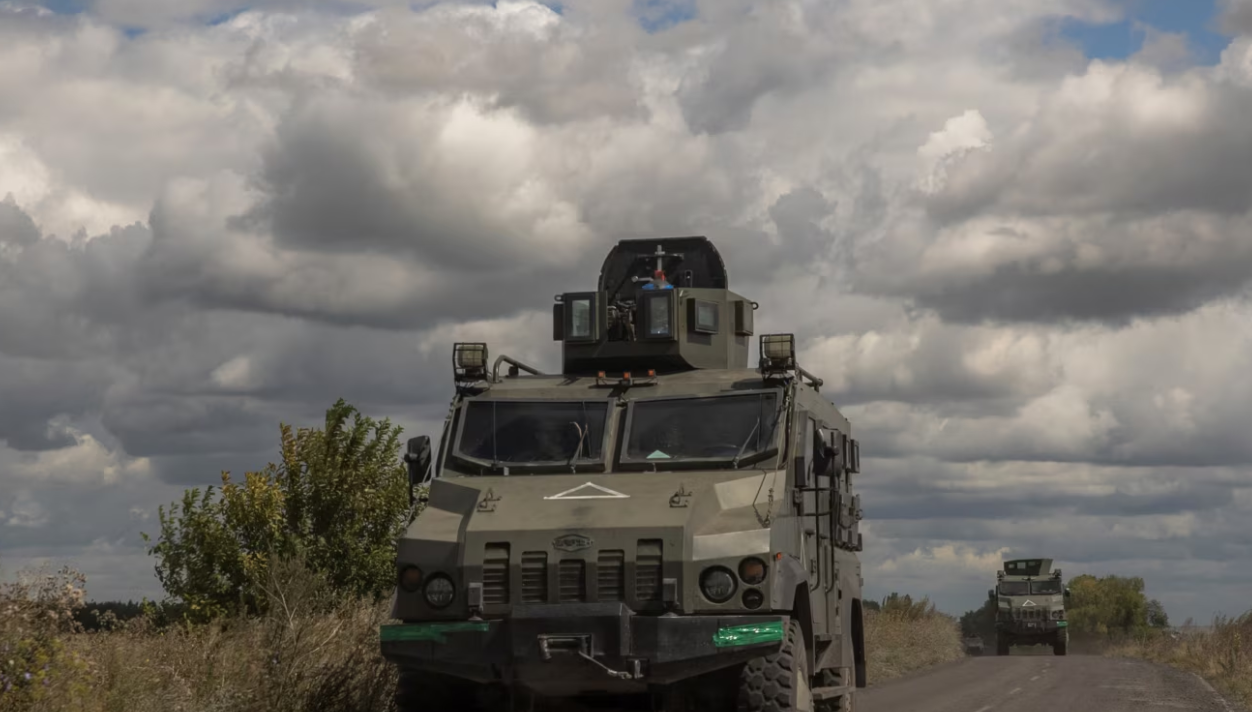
572, 542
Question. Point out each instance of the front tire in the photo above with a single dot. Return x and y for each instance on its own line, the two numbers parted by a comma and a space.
1060, 646
778, 682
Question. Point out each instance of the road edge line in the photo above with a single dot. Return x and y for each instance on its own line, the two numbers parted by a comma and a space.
1213, 691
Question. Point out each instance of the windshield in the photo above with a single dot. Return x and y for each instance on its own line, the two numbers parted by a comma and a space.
1014, 588
717, 428
1044, 588
533, 432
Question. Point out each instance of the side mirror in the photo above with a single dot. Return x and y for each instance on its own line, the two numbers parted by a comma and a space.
991, 593
417, 458
1067, 592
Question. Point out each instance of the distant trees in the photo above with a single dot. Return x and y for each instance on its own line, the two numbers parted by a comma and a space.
1112, 604
335, 503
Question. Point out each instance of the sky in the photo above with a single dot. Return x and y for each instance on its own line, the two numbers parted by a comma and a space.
1011, 235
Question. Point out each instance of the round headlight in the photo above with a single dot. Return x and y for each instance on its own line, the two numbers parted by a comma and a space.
410, 578
752, 599
717, 584
752, 570
439, 591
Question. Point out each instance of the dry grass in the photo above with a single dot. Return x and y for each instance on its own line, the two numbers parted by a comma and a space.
900, 641
1222, 655
306, 654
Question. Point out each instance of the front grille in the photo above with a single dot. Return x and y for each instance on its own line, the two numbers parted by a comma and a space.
535, 577
536, 582
1029, 614
611, 575
648, 562
572, 581
496, 574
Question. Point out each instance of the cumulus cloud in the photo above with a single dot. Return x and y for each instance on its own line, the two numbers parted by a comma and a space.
1023, 275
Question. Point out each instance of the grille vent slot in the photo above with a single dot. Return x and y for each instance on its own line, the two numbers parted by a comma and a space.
611, 575
572, 580
496, 574
648, 564
535, 577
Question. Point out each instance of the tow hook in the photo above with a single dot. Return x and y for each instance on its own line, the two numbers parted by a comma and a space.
580, 645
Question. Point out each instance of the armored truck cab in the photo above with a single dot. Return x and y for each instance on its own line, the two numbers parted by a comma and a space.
1030, 606
658, 523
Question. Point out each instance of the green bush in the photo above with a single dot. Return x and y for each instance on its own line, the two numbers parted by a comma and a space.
337, 501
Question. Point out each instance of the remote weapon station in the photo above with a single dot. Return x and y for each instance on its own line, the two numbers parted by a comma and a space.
658, 522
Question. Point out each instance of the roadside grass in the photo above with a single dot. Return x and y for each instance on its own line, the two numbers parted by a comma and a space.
906, 636
306, 654
309, 652
1222, 654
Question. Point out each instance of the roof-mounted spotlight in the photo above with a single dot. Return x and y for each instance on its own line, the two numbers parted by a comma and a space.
778, 352
469, 361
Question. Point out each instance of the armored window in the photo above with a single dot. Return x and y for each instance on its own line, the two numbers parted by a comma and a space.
582, 316
657, 314
719, 428
1046, 588
518, 433
704, 316
1014, 588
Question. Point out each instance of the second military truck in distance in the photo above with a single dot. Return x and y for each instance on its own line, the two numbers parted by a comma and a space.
657, 524
1030, 606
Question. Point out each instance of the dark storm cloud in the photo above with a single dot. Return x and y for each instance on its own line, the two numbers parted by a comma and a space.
1033, 291
1236, 16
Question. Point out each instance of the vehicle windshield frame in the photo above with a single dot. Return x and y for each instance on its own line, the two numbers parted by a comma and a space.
487, 467
1046, 582
1024, 584
625, 463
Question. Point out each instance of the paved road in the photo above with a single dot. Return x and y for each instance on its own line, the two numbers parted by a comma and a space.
1035, 683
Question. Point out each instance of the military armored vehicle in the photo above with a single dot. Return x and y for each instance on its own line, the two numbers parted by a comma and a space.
657, 524
1030, 606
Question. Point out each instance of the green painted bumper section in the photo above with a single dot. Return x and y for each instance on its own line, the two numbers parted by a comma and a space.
748, 634
434, 632
1062, 624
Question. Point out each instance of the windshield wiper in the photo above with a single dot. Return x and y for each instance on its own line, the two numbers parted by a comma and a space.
735, 462
582, 437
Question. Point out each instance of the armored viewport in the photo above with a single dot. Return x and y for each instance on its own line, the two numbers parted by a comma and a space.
661, 306
1028, 567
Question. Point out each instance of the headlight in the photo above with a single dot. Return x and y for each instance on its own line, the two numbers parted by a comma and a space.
752, 571
439, 591
410, 578
717, 584
752, 599
1058, 614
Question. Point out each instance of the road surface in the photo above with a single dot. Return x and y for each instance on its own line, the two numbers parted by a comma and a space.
1036, 683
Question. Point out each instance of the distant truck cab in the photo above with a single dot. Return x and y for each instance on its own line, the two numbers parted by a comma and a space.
1030, 606
658, 523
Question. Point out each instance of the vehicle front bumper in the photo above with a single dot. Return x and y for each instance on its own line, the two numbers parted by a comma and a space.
546, 647
1032, 627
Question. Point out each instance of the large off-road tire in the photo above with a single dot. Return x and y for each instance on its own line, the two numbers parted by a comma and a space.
430, 692
829, 678
1060, 646
1002, 644
778, 682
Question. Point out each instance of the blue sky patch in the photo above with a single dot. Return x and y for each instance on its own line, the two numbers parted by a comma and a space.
657, 15
1119, 40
